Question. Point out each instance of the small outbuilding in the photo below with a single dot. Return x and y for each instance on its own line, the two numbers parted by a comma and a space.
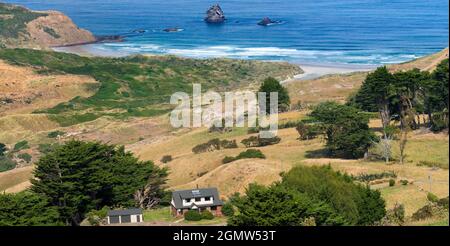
132, 215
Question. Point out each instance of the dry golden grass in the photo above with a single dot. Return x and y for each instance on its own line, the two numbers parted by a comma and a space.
11, 180
236, 176
189, 170
331, 87
427, 63
31, 91
15, 128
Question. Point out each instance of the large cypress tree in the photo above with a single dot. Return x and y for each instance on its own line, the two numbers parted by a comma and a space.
375, 94
347, 131
80, 176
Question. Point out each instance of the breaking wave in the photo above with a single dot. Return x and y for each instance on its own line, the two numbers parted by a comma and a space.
263, 53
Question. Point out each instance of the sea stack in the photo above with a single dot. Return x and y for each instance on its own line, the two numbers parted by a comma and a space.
215, 14
266, 21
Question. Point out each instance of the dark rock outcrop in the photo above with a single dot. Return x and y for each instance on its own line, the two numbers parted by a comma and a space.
109, 38
173, 29
215, 14
266, 21
139, 31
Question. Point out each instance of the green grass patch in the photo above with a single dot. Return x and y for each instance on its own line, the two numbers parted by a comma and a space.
137, 86
426, 151
443, 222
158, 215
68, 120
215, 221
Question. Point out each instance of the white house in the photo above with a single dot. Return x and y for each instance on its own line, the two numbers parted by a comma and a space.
197, 199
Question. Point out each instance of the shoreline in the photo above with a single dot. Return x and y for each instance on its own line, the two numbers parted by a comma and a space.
311, 70
315, 70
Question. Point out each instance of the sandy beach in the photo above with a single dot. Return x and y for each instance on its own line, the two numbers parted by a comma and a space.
88, 50
314, 71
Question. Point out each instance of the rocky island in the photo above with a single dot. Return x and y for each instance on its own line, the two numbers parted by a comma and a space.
215, 14
266, 21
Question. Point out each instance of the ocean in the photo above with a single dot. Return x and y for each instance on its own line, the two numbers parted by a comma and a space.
354, 32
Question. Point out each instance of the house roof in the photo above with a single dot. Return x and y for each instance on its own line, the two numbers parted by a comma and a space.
178, 196
130, 211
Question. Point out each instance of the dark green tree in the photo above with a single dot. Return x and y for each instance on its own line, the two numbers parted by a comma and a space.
375, 94
347, 131
81, 176
436, 99
27, 209
3, 149
441, 74
408, 93
279, 206
272, 85
346, 198
371, 206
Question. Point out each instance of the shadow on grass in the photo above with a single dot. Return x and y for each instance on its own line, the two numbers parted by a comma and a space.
318, 153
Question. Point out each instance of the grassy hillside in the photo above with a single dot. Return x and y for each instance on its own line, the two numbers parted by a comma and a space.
13, 21
207, 170
21, 27
140, 86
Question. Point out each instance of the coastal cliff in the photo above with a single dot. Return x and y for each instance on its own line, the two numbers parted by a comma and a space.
24, 28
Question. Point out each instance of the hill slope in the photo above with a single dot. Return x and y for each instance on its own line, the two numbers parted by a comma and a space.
139, 85
21, 27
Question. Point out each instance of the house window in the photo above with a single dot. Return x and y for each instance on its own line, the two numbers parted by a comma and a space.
207, 198
198, 199
187, 200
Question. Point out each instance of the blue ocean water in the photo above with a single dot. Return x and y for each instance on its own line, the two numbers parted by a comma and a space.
313, 31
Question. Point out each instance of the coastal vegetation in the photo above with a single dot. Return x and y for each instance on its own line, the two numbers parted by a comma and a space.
333, 162
248, 154
13, 21
139, 86
78, 177
309, 195
27, 209
271, 85
402, 97
347, 132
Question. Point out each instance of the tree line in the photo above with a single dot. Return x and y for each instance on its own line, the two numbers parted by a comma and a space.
78, 177
400, 99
